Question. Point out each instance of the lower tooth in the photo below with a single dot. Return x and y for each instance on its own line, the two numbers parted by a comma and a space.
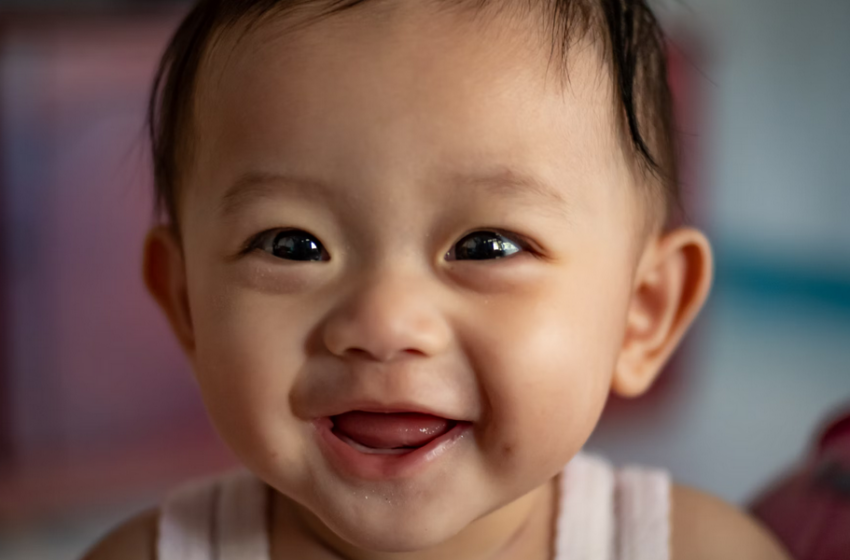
372, 450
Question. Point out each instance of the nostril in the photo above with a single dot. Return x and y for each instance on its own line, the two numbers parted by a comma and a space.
361, 354
358, 353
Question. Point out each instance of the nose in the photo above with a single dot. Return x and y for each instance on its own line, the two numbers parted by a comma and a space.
386, 319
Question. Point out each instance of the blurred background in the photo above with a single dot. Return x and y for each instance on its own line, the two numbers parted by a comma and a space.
98, 412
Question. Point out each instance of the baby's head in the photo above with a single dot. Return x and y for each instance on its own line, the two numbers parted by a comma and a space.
451, 208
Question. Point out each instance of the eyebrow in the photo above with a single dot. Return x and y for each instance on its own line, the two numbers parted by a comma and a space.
503, 182
259, 185
507, 182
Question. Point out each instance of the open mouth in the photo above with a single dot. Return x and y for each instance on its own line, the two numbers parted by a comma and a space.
379, 433
380, 446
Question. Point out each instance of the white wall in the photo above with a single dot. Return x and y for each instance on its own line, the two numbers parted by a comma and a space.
779, 127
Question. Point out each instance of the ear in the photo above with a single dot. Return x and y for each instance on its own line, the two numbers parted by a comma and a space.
165, 277
672, 282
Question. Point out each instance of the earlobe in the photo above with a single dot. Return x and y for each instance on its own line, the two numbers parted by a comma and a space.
671, 284
165, 277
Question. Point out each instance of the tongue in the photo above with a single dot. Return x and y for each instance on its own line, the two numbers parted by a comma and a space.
387, 431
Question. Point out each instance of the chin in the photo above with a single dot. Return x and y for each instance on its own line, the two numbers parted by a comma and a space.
397, 530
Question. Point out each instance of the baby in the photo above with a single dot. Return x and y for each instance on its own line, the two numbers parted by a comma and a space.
410, 247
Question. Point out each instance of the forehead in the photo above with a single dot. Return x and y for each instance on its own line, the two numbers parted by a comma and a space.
401, 85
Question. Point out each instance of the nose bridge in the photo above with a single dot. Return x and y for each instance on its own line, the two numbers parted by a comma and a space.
387, 313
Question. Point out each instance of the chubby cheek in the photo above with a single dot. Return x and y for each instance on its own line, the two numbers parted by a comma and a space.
248, 352
545, 361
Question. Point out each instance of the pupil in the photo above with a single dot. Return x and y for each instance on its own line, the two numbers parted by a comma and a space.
297, 246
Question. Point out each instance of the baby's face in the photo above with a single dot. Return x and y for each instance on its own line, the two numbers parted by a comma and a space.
447, 231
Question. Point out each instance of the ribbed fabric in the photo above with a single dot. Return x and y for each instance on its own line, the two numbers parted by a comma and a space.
643, 514
186, 523
603, 514
242, 519
585, 525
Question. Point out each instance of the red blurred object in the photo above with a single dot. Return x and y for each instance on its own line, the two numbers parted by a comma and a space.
810, 509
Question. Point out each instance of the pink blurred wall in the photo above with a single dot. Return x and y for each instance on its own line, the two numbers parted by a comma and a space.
96, 383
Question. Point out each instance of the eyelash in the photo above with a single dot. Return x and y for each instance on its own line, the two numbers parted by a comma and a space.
255, 242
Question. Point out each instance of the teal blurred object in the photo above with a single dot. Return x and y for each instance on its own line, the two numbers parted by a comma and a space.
766, 279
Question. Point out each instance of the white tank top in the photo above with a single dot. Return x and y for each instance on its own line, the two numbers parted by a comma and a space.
603, 514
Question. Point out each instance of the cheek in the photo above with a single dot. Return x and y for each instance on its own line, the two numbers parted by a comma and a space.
545, 362
249, 349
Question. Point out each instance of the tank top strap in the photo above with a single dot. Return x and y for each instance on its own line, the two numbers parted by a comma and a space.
242, 516
585, 523
186, 522
223, 518
642, 505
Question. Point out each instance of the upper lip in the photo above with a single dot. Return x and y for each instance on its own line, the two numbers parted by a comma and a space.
391, 407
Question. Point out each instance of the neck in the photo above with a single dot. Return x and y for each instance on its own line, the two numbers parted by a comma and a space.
523, 529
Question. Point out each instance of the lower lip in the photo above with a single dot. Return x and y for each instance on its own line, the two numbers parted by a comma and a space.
354, 463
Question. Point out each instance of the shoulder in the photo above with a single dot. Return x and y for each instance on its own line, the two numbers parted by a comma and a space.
707, 528
135, 539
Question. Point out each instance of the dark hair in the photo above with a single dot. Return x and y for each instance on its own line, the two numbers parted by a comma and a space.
635, 50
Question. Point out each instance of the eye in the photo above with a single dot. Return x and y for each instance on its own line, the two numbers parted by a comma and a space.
483, 245
292, 245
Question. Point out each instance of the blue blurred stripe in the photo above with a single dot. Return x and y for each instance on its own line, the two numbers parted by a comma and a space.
769, 280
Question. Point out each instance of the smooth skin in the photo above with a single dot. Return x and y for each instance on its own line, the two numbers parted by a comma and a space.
389, 133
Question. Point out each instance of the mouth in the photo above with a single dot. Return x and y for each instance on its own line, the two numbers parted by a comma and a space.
382, 445
389, 433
